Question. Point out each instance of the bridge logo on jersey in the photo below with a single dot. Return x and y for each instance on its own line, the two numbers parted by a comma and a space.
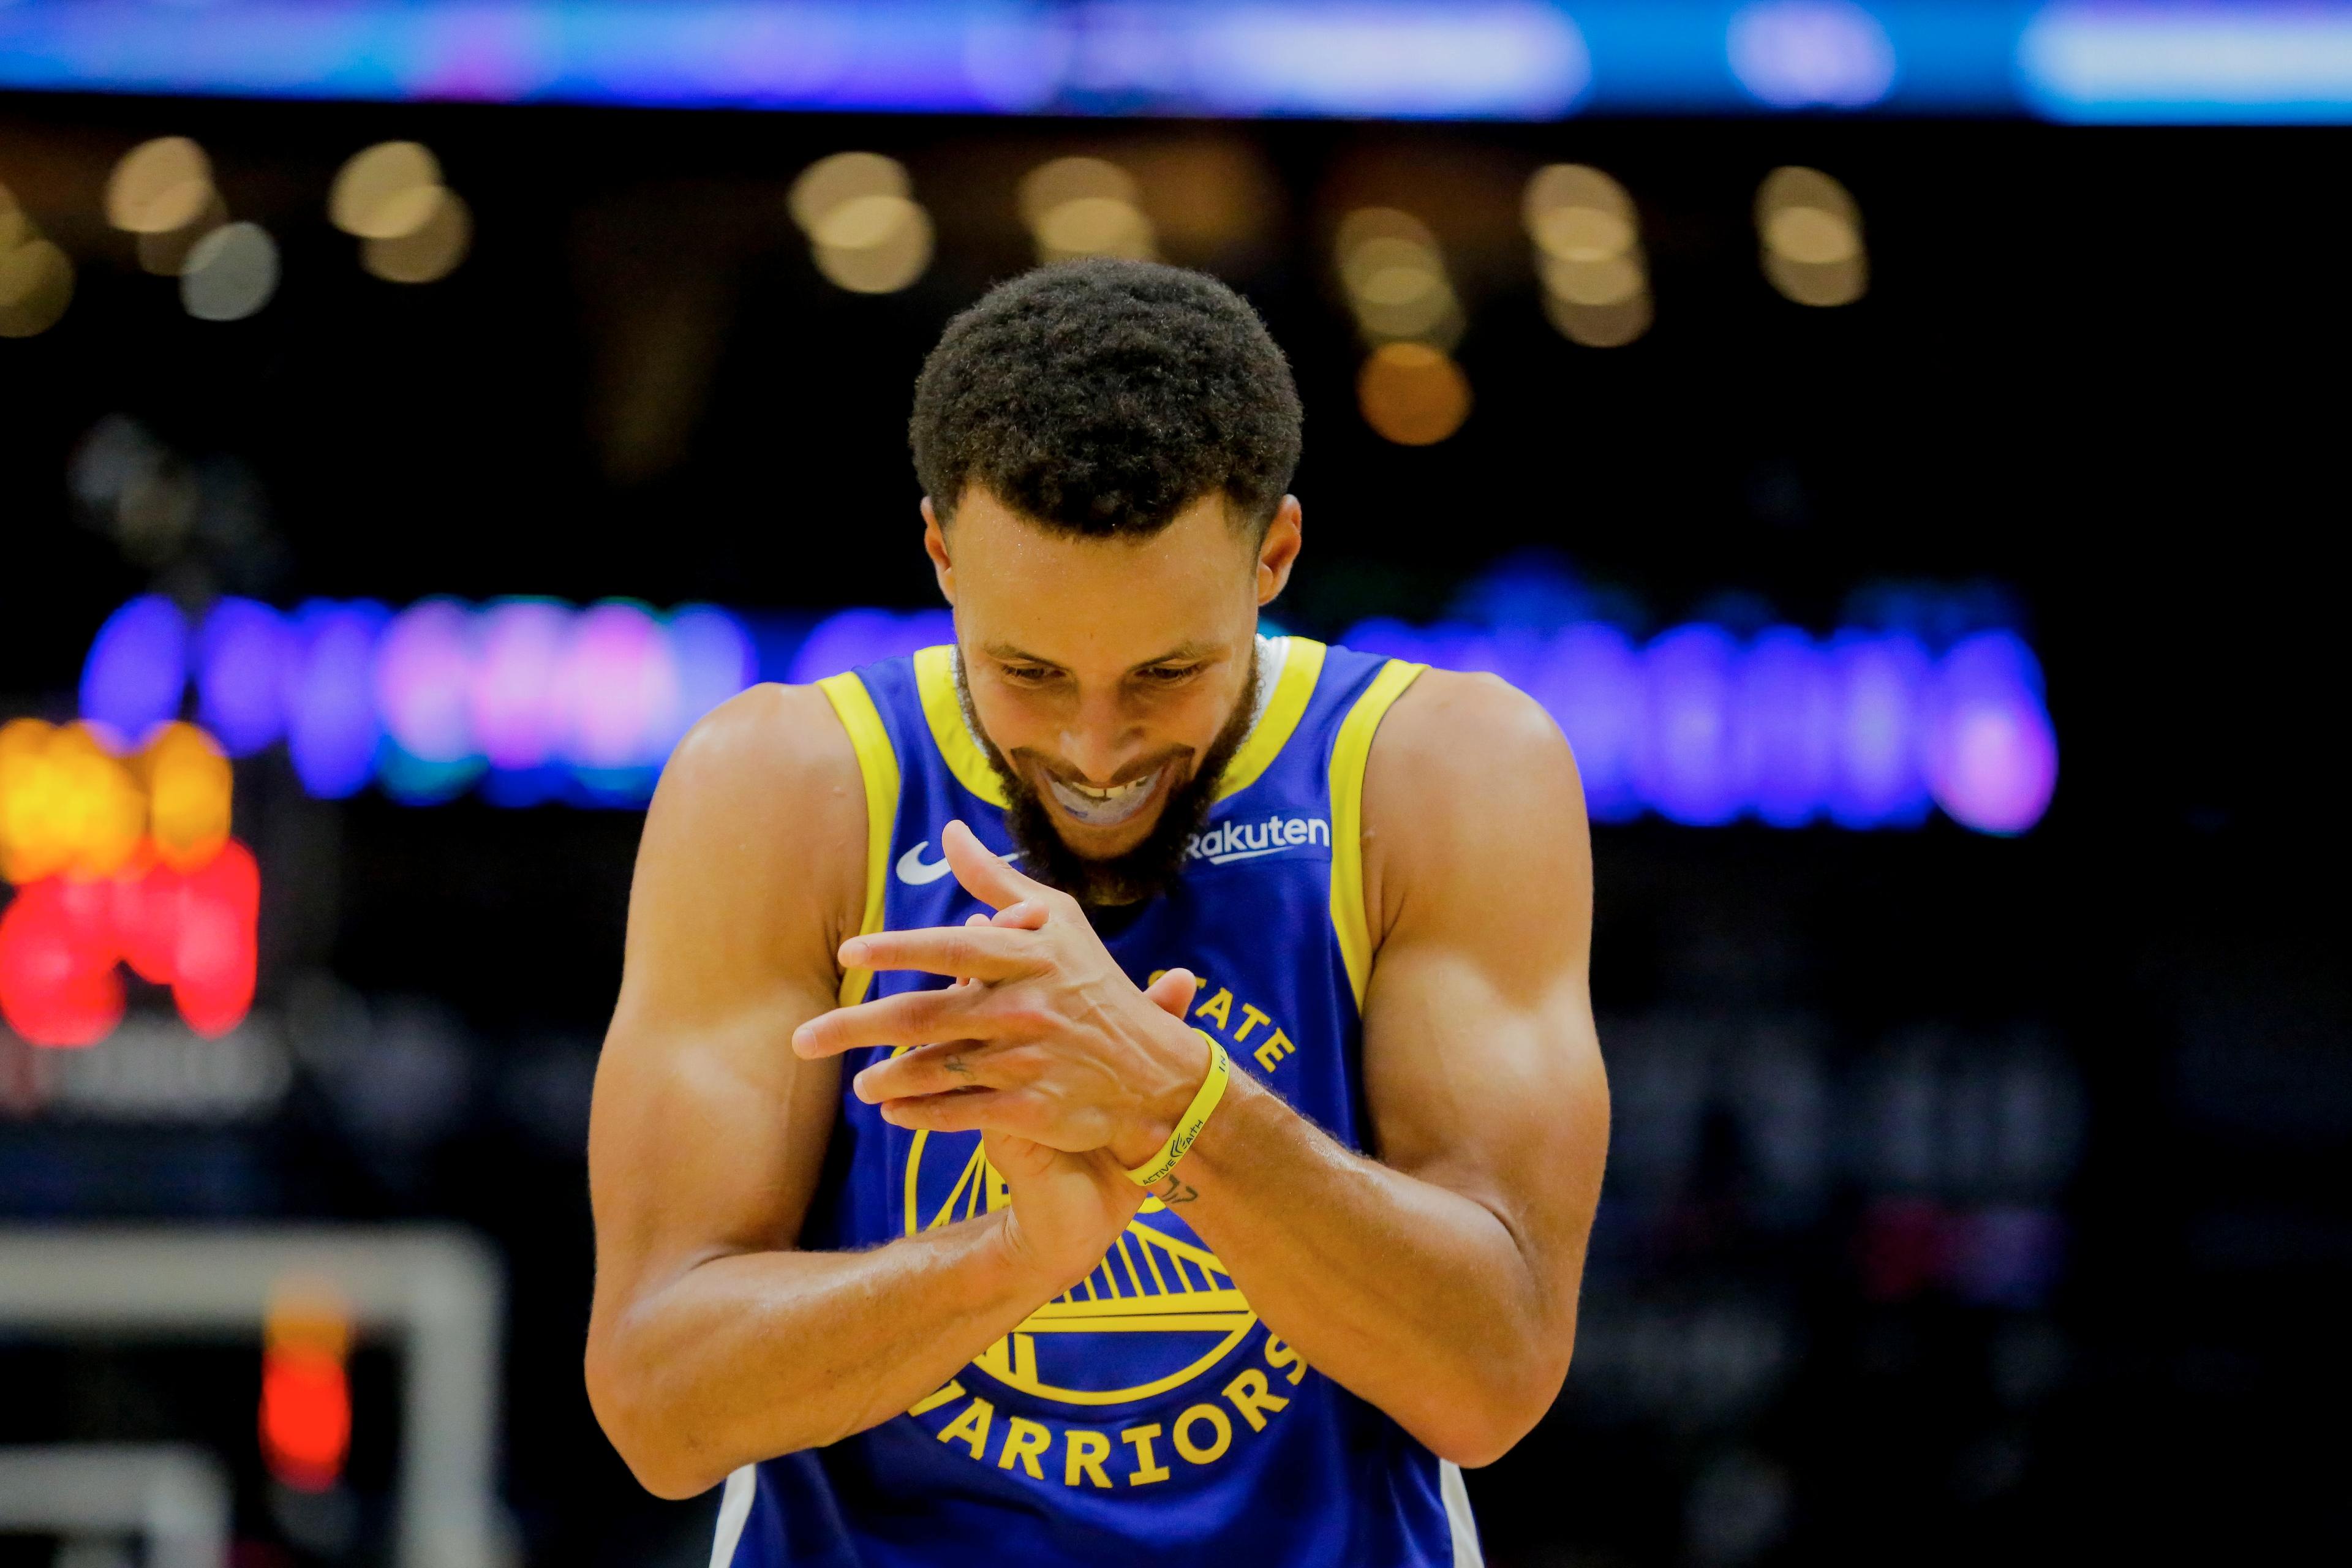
1157, 1313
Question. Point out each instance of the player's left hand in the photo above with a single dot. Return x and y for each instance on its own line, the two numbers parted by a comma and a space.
1050, 1041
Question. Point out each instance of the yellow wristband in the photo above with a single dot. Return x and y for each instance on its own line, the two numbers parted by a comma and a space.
1154, 1170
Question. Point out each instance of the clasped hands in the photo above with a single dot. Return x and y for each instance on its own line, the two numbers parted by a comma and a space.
1043, 1037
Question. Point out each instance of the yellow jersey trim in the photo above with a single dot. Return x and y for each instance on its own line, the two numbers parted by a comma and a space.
934, 679
878, 764
1349, 753
1301, 665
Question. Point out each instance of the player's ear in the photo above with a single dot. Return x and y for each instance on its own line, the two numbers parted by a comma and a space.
1278, 553
935, 545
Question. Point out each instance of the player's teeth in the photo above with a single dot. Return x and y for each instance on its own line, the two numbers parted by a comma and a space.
1103, 808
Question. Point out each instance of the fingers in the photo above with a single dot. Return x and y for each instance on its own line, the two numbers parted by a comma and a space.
966, 952
1021, 1113
985, 875
910, 1018
967, 1111
1172, 993
953, 1067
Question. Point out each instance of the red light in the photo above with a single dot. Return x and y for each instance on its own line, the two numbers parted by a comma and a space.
305, 1416
57, 985
193, 931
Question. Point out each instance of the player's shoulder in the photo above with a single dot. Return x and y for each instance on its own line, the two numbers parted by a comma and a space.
1453, 728
1469, 786
771, 753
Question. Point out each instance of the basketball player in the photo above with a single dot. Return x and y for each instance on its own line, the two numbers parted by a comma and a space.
1119, 1089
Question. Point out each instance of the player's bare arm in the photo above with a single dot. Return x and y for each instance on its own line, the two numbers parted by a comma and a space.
1436, 1277
713, 1341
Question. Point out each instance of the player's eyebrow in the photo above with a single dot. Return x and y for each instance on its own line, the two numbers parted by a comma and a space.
1008, 653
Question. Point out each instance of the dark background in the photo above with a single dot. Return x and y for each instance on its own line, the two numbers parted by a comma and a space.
2096, 380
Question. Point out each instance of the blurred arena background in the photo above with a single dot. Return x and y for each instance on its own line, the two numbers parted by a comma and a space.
1897, 442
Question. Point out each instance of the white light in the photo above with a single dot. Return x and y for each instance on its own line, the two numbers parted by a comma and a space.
230, 274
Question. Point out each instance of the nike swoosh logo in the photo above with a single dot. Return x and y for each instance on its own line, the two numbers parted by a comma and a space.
918, 872
1247, 854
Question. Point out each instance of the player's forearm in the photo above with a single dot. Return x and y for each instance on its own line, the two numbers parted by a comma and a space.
750, 1356
1413, 1298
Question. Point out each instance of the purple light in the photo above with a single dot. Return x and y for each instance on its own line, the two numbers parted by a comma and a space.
518, 661
534, 700
1883, 688
1593, 686
137, 668
331, 732
855, 638
424, 676
1787, 727
242, 656
620, 688
1507, 58
1797, 54
1688, 763
1991, 755
715, 660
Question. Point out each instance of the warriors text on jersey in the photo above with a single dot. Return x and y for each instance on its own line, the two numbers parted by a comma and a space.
1146, 1415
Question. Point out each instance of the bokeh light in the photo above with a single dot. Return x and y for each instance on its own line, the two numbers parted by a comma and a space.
159, 186
1413, 394
241, 654
386, 191
428, 253
532, 699
411, 227
1687, 765
1395, 279
67, 805
331, 727
230, 273
1086, 206
1992, 757
136, 672
37, 279
1703, 727
865, 232
188, 787
120, 860
427, 702
849, 639
305, 1418
165, 254
1587, 237
1810, 231
1799, 54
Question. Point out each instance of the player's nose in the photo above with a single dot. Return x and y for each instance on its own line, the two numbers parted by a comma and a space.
1099, 745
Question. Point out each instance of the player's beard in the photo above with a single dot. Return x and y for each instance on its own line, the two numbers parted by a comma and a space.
1142, 872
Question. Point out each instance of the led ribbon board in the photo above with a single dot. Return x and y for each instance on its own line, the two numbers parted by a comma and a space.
1470, 59
527, 701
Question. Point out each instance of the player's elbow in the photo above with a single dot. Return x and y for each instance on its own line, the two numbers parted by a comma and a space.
646, 1436
1480, 1429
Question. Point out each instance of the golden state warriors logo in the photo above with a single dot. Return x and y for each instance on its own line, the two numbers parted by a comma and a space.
1158, 1311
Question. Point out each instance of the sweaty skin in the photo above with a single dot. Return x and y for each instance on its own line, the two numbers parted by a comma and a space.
1436, 1278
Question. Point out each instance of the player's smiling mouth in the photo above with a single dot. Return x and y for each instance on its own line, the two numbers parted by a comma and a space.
1105, 807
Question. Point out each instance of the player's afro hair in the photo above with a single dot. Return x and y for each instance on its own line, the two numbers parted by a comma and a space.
1103, 397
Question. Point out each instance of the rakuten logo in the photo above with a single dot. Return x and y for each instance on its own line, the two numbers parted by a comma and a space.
1248, 840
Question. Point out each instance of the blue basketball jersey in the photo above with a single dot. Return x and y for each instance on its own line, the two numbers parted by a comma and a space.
1146, 1414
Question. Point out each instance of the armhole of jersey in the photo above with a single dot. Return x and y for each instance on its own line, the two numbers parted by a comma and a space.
734, 1508
1350, 753
878, 764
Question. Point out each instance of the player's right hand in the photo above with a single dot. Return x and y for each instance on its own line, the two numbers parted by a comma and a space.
1067, 1210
